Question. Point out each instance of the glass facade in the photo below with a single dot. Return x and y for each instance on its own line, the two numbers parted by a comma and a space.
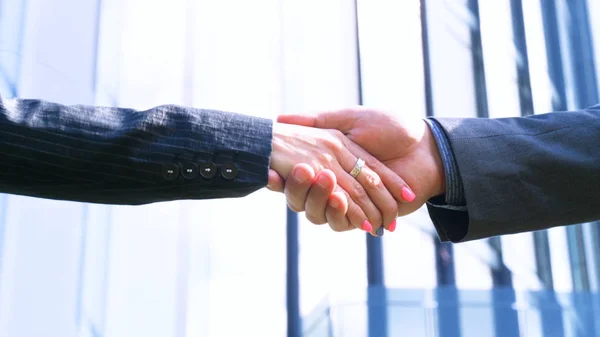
220, 267
420, 312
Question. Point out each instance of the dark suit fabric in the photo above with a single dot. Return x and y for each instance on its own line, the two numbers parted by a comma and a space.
125, 156
523, 174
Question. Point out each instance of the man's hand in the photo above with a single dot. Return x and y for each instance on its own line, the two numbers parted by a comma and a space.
368, 200
405, 146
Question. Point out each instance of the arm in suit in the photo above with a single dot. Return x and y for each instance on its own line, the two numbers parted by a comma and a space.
125, 156
521, 174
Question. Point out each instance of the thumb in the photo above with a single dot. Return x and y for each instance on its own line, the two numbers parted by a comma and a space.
342, 120
303, 120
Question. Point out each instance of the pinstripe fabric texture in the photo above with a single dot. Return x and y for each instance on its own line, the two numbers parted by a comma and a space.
122, 156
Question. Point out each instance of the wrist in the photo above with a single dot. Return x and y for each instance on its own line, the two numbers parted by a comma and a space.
435, 164
286, 151
277, 162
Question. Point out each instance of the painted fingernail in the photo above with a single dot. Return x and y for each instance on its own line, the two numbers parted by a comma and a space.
379, 231
392, 226
407, 194
323, 181
301, 176
366, 226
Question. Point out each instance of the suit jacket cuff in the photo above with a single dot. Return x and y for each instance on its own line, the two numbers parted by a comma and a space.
223, 138
455, 195
452, 205
451, 224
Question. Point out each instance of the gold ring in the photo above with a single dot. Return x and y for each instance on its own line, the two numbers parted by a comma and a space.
357, 167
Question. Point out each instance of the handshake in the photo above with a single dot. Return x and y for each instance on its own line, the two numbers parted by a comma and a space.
355, 168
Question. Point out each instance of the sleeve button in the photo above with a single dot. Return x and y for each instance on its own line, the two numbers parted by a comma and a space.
229, 171
208, 170
170, 172
189, 170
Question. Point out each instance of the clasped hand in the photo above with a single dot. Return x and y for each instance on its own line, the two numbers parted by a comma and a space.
313, 157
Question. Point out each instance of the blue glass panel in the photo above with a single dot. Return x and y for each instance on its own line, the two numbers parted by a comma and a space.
416, 313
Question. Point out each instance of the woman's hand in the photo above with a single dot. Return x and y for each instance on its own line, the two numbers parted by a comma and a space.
369, 202
405, 146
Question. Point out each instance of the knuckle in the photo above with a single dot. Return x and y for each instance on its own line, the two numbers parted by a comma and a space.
376, 220
371, 161
405, 210
315, 216
337, 134
337, 227
356, 217
323, 160
359, 193
336, 141
390, 210
295, 208
372, 180
316, 220
355, 214
393, 209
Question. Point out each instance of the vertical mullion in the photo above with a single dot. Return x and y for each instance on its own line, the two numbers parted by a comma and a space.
541, 244
426, 61
522, 58
79, 311
294, 328
554, 55
97, 327
13, 83
585, 93
477, 60
96, 47
3, 211
21, 38
582, 54
448, 322
376, 292
581, 81
505, 318
551, 320
580, 57
498, 276
14, 91
182, 292
294, 319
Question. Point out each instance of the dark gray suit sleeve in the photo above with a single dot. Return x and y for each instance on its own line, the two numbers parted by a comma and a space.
124, 156
454, 198
523, 174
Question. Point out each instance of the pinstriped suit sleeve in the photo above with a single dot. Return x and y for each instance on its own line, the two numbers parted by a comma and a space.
523, 174
125, 156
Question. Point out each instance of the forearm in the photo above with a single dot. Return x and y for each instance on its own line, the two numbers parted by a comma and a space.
525, 174
125, 156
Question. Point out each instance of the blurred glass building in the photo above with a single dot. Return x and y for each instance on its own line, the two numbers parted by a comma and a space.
246, 267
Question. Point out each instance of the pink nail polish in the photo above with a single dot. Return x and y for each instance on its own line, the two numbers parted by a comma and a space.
366, 226
407, 194
392, 226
